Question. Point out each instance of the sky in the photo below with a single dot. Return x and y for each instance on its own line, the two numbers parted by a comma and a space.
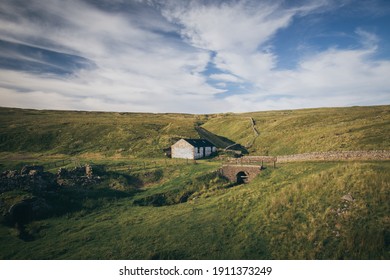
194, 56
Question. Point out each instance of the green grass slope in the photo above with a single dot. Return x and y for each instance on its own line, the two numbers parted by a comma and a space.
145, 135
68, 132
293, 212
148, 207
309, 130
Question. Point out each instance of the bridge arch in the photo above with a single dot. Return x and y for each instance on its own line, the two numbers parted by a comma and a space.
240, 173
241, 177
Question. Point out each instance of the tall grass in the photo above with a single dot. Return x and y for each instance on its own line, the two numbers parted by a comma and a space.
109, 134
293, 212
309, 130
145, 135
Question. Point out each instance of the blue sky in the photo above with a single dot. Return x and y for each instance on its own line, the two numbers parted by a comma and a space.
193, 56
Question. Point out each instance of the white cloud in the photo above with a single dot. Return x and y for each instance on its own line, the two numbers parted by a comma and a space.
239, 34
132, 65
369, 40
158, 59
229, 27
234, 31
332, 78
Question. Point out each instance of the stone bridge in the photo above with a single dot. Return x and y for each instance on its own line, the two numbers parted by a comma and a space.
240, 173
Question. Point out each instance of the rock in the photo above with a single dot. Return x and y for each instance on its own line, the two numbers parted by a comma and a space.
348, 197
33, 173
28, 168
10, 174
33, 178
88, 171
62, 173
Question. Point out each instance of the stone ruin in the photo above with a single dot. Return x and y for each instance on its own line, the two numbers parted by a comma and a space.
28, 178
78, 176
34, 178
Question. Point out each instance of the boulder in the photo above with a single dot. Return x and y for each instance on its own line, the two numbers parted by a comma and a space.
33, 173
88, 171
9, 174
62, 173
28, 168
348, 197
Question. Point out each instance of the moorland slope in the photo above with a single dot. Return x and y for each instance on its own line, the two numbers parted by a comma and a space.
146, 134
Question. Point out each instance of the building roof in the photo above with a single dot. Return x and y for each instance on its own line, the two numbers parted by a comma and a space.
199, 142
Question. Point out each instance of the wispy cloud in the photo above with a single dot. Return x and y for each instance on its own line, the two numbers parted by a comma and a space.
135, 68
160, 56
239, 34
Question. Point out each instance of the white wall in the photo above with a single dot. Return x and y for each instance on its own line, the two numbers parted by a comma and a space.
182, 149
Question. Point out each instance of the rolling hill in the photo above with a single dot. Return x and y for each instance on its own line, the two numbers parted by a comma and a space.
310, 130
71, 133
145, 206
145, 135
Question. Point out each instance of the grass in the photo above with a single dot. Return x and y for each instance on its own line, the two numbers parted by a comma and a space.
151, 207
140, 135
108, 134
309, 130
292, 212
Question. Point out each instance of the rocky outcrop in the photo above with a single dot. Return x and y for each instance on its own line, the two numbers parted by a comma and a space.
34, 178
31, 178
78, 176
36, 190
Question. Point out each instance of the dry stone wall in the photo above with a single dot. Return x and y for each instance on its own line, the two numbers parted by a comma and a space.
337, 155
316, 156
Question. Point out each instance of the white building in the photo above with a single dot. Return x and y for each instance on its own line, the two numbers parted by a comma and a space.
192, 149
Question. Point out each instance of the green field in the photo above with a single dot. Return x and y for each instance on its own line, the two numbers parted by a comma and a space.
145, 135
310, 130
292, 212
150, 207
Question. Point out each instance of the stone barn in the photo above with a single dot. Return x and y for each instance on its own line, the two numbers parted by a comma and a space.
192, 149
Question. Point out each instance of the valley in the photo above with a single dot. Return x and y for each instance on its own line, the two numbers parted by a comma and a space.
148, 206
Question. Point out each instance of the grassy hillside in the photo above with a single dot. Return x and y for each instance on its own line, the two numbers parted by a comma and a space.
145, 206
310, 130
66, 132
145, 135
293, 212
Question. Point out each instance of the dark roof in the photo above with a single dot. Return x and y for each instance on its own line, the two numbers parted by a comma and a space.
199, 142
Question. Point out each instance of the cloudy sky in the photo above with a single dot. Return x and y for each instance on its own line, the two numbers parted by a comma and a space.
193, 56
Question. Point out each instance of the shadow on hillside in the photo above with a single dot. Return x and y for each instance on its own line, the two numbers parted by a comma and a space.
76, 199
71, 200
220, 141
